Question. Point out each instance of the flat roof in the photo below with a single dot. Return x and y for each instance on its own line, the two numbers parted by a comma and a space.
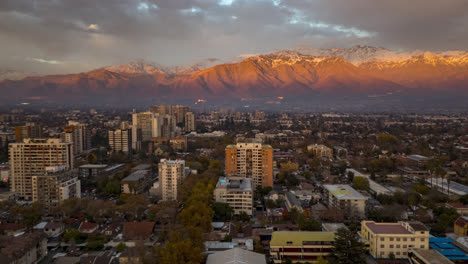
387, 228
141, 167
136, 175
236, 256
244, 184
93, 166
280, 238
416, 157
343, 191
431, 256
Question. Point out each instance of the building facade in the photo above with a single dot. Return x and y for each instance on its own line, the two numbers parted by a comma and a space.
137, 182
344, 197
321, 151
77, 134
31, 158
55, 185
30, 130
397, 239
171, 175
189, 122
237, 192
300, 247
252, 160
120, 140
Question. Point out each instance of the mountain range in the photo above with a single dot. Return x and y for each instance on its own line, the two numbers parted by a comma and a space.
360, 71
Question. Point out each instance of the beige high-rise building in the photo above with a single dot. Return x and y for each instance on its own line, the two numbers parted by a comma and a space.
56, 184
31, 158
79, 135
252, 160
385, 239
189, 122
171, 175
142, 129
120, 140
237, 192
30, 130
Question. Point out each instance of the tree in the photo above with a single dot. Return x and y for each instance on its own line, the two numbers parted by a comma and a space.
180, 250
120, 247
391, 256
197, 215
321, 260
222, 211
464, 199
361, 183
308, 224
92, 158
347, 249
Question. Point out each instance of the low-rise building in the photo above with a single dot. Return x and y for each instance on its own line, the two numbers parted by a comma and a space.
293, 202
449, 249
236, 256
427, 256
387, 239
91, 170
321, 151
237, 192
461, 226
137, 182
300, 247
345, 198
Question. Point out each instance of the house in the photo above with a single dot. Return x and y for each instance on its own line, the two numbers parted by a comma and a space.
236, 256
23, 249
461, 226
88, 228
293, 202
427, 256
112, 230
138, 231
461, 208
54, 229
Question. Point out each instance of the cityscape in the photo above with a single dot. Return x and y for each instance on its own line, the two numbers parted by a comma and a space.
233, 132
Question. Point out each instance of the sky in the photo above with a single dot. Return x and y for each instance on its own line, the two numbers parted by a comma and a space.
65, 36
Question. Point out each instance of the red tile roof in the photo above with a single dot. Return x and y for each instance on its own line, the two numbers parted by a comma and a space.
11, 226
383, 228
88, 226
462, 221
138, 230
457, 205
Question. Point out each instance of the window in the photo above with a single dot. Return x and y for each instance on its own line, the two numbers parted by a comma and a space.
398, 246
398, 239
422, 239
412, 239
422, 246
391, 239
398, 253
404, 239
382, 239
391, 246
382, 246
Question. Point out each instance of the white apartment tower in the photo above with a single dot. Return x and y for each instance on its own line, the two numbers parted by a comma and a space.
31, 157
120, 140
171, 174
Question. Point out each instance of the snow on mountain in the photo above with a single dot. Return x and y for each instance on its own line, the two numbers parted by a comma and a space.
7, 74
139, 66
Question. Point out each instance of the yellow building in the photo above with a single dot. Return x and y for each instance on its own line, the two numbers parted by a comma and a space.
461, 226
397, 238
253, 160
300, 247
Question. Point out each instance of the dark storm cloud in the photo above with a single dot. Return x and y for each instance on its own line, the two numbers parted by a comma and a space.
85, 34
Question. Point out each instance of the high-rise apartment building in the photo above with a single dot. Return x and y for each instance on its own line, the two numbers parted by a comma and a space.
346, 199
120, 140
77, 134
189, 122
30, 130
171, 174
56, 184
31, 158
252, 160
142, 129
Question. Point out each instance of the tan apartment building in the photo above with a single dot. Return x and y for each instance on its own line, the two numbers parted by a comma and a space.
30, 130
345, 198
120, 140
385, 239
237, 192
171, 175
321, 151
300, 246
77, 134
31, 158
189, 122
55, 185
251, 159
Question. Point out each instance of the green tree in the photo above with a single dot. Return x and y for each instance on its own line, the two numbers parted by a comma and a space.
308, 224
180, 250
464, 199
120, 247
222, 211
197, 215
361, 183
321, 260
347, 249
92, 158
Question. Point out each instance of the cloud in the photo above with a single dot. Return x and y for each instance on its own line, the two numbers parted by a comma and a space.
44, 61
87, 34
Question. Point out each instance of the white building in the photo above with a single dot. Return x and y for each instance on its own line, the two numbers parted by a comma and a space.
237, 192
171, 175
120, 140
345, 198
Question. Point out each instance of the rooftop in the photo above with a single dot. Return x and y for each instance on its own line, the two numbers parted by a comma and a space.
297, 238
165, 161
236, 256
138, 230
343, 191
93, 166
431, 256
141, 167
387, 228
245, 184
135, 176
416, 157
